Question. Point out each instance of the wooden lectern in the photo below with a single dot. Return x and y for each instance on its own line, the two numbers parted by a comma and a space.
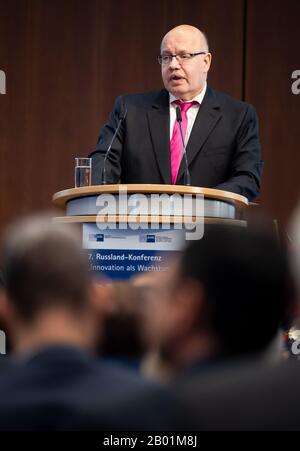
135, 228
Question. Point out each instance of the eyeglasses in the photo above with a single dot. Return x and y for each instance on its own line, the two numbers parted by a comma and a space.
182, 58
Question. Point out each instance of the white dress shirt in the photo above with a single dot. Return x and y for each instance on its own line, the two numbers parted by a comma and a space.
191, 113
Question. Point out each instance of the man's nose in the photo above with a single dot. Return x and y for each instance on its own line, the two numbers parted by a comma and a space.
174, 64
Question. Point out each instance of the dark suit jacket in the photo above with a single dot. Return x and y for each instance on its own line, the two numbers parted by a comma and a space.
253, 396
223, 149
64, 388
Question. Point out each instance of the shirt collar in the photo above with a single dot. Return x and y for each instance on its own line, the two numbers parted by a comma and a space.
199, 98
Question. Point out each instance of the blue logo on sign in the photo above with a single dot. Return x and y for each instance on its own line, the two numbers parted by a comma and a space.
96, 237
150, 238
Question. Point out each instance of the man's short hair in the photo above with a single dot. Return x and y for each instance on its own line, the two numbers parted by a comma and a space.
246, 282
44, 266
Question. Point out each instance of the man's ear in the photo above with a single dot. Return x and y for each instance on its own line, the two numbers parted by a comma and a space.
207, 61
190, 299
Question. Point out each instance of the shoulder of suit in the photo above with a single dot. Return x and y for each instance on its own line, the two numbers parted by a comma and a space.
143, 99
228, 101
115, 371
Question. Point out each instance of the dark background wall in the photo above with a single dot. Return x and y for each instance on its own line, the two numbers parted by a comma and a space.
66, 61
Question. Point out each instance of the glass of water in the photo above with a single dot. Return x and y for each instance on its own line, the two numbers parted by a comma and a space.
83, 172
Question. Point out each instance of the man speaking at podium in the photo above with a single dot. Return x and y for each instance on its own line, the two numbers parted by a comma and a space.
187, 133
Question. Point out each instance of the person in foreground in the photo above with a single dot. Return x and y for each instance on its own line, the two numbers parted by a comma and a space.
56, 382
226, 299
250, 397
220, 132
222, 313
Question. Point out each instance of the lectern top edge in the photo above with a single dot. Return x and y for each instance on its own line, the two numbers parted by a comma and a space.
61, 198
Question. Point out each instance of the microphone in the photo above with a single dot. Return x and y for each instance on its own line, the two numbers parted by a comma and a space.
187, 176
122, 117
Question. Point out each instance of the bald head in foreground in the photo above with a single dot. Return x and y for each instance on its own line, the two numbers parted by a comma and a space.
220, 133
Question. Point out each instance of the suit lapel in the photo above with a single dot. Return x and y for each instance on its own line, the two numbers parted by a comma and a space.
159, 124
207, 118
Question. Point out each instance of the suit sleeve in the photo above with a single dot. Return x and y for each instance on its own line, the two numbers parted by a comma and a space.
246, 166
113, 162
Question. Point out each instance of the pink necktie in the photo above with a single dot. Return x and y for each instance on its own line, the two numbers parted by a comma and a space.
176, 142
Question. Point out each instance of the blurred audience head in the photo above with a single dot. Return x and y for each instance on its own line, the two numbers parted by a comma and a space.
227, 297
122, 335
47, 282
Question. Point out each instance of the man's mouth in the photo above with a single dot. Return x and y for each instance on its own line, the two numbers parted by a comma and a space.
176, 78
